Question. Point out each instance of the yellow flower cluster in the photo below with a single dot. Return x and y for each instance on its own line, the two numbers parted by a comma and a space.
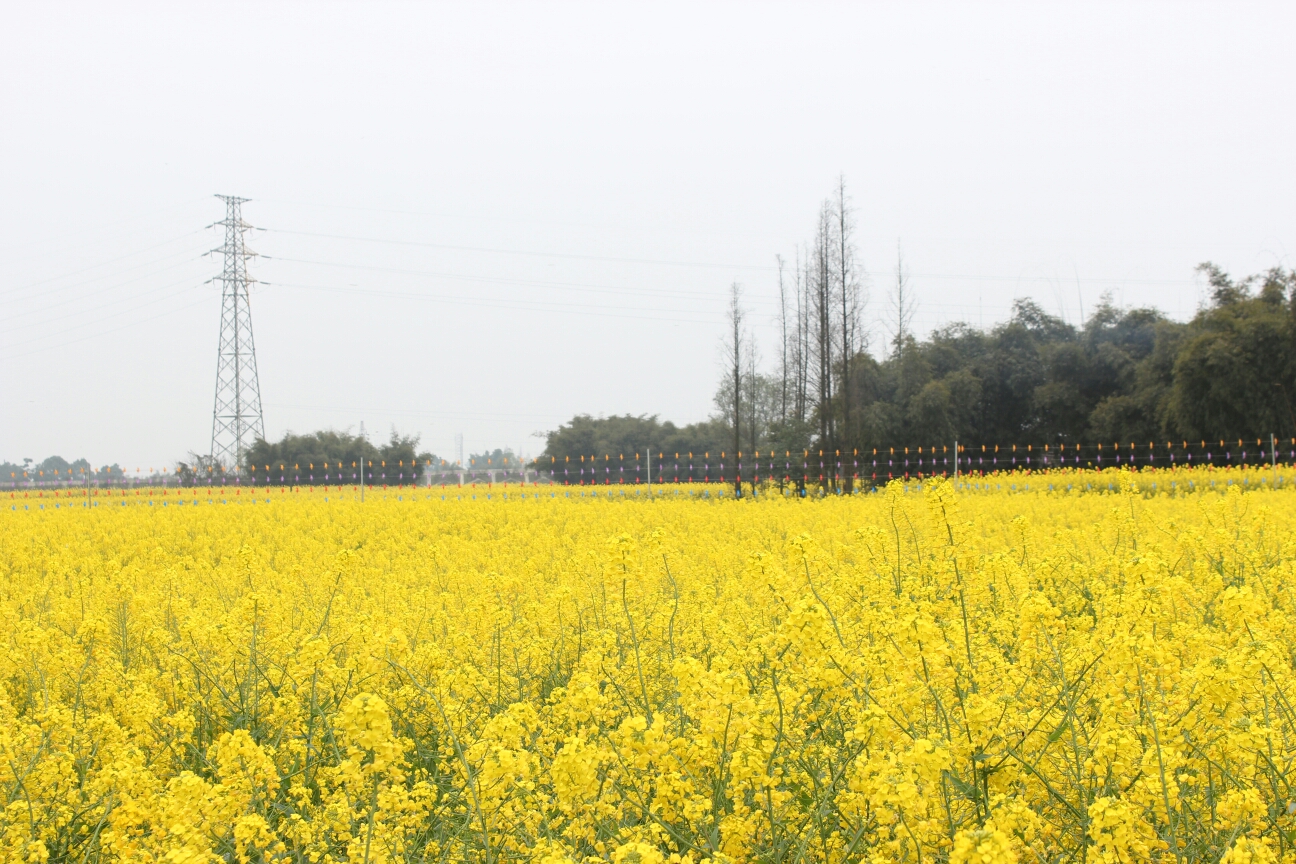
1099, 668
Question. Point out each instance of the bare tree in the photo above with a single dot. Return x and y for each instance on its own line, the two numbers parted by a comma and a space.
755, 392
802, 355
820, 334
851, 299
820, 284
902, 307
783, 347
734, 352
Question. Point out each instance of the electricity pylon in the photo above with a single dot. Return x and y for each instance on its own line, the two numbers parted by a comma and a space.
236, 418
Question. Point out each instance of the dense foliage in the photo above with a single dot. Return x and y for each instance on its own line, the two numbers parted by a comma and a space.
1065, 667
1127, 375
57, 470
584, 435
328, 456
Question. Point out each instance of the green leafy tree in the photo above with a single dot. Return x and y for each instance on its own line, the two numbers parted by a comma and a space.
629, 436
1233, 373
329, 456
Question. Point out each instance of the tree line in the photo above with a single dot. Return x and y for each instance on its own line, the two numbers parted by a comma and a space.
1129, 375
324, 457
1122, 375
56, 470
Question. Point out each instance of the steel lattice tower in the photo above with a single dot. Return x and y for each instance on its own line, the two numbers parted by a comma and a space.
236, 418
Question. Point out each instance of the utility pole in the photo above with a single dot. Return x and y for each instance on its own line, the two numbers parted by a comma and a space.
956, 461
237, 422
1273, 457
459, 457
362, 461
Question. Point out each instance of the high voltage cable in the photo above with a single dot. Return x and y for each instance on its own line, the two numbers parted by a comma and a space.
112, 304
98, 333
1066, 279
703, 264
512, 219
475, 415
488, 250
522, 305
583, 287
549, 283
40, 282
188, 287
592, 288
113, 230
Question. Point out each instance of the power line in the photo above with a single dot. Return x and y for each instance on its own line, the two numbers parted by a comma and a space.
46, 346
42, 335
704, 264
546, 283
405, 412
83, 310
7, 291
491, 251
99, 227
526, 306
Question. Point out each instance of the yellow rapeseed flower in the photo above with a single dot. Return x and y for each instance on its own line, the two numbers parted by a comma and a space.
1082, 666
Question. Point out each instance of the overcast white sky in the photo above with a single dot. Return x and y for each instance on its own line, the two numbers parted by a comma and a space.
486, 218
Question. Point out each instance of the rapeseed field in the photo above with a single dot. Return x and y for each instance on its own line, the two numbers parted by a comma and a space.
1062, 667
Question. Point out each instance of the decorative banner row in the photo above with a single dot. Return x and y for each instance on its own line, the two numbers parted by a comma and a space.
818, 467
28, 499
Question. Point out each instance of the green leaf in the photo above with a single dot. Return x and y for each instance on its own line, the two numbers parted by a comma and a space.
965, 789
1057, 733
